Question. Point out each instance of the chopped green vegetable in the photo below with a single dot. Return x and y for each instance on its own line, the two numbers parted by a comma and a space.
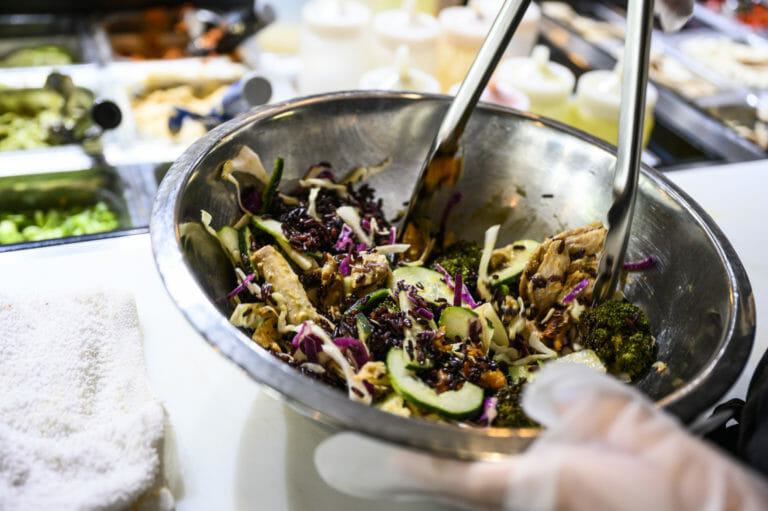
620, 334
56, 223
460, 257
510, 413
274, 182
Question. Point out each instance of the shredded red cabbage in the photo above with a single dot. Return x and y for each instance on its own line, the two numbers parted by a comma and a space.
457, 290
360, 247
354, 348
392, 235
448, 279
425, 313
489, 411
344, 237
366, 225
344, 266
242, 285
308, 343
578, 288
646, 263
251, 199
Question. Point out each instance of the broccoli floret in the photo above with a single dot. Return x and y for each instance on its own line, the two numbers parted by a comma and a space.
620, 334
460, 257
510, 413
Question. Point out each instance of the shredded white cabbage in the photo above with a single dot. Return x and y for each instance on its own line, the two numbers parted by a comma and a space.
365, 173
334, 353
249, 315
312, 207
351, 217
323, 183
246, 161
396, 248
483, 285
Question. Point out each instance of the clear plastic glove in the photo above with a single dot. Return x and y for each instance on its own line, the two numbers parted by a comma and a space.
673, 13
605, 446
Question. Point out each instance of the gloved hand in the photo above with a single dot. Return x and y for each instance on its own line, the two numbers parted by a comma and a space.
673, 13
605, 446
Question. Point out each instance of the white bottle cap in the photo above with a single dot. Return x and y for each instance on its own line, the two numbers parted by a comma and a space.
335, 18
544, 82
400, 77
465, 26
401, 26
599, 94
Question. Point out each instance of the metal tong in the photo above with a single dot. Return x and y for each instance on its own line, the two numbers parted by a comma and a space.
627, 170
446, 142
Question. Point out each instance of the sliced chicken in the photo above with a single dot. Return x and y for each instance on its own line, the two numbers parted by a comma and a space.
287, 291
368, 273
559, 264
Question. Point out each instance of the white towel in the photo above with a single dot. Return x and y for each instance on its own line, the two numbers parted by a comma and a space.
79, 426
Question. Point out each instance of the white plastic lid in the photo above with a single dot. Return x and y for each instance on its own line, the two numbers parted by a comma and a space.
400, 26
465, 26
599, 92
400, 77
490, 8
388, 78
541, 80
335, 18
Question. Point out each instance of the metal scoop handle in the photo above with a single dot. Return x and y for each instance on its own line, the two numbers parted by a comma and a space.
627, 171
447, 140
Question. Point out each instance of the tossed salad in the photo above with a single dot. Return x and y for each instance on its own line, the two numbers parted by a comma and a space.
427, 326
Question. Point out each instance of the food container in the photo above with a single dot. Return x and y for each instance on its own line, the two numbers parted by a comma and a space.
462, 32
416, 30
29, 40
333, 45
49, 108
547, 84
530, 175
26, 192
151, 92
597, 102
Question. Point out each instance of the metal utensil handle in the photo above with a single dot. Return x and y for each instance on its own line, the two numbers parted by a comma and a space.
627, 171
446, 142
509, 17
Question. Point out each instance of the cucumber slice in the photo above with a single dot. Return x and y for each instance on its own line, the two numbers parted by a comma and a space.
415, 365
245, 248
271, 190
364, 328
456, 321
369, 301
432, 285
520, 253
275, 229
453, 404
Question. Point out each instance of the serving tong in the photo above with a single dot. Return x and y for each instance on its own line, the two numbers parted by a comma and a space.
441, 158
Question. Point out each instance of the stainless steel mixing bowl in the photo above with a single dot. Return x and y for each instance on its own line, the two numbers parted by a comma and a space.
533, 176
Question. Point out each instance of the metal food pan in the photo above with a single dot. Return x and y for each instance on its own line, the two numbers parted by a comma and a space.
132, 80
29, 192
143, 35
89, 76
30, 30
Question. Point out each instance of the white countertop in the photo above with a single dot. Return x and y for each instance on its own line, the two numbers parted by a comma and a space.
231, 445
